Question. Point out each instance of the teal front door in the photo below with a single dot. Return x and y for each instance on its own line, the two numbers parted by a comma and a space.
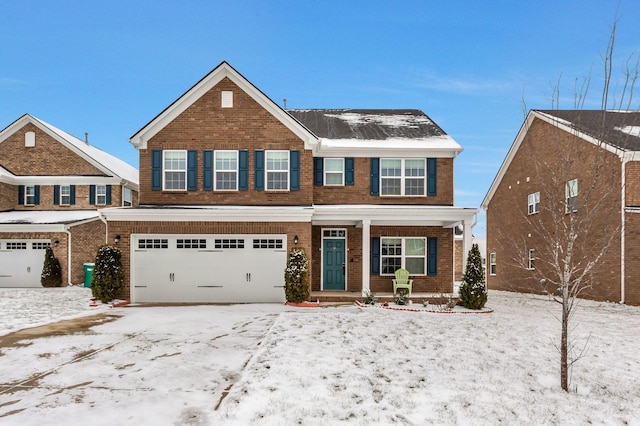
333, 264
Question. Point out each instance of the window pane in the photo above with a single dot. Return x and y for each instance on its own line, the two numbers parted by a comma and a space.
391, 264
415, 246
175, 180
391, 186
226, 180
391, 167
334, 164
278, 180
226, 160
415, 265
175, 160
278, 160
333, 179
414, 187
414, 167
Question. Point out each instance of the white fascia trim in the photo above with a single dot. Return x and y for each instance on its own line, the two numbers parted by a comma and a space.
442, 147
208, 214
140, 139
68, 180
32, 227
82, 222
444, 216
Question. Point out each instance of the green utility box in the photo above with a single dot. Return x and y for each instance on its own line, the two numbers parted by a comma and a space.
88, 274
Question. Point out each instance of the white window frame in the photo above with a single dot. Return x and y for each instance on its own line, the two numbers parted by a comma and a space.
328, 173
101, 195
30, 195
532, 259
533, 202
166, 169
571, 196
127, 196
269, 172
492, 264
217, 170
65, 195
403, 178
403, 256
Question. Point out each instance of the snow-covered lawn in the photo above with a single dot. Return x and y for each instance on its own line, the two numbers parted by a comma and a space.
281, 365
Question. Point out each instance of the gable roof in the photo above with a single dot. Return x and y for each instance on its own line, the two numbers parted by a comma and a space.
107, 163
615, 131
224, 70
393, 130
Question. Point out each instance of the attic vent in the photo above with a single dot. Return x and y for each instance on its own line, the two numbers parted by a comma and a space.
227, 99
30, 139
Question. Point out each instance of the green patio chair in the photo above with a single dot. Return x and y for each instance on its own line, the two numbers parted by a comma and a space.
402, 281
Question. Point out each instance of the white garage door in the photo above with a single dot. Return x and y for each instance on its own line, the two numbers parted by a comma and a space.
21, 262
208, 268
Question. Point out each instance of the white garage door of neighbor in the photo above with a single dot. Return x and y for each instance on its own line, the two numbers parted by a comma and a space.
21, 262
208, 268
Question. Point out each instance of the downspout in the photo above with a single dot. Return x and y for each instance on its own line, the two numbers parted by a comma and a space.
69, 283
106, 227
622, 229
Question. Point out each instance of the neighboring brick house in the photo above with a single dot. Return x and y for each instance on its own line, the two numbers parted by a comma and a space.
552, 163
230, 183
51, 186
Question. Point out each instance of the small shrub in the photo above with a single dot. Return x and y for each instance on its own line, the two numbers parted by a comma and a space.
473, 291
401, 297
108, 274
51, 272
296, 281
370, 298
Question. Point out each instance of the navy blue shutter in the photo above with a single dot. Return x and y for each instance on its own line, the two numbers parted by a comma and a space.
432, 256
56, 194
294, 167
375, 256
432, 174
259, 170
156, 170
375, 176
21, 194
92, 194
318, 171
348, 171
36, 190
207, 167
108, 197
72, 194
192, 170
243, 170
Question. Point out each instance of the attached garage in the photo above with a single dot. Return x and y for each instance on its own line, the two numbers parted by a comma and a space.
208, 268
21, 262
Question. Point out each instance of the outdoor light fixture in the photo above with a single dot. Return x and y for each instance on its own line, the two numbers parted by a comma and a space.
116, 239
295, 240
55, 243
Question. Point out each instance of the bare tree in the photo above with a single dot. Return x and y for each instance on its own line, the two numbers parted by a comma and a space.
572, 223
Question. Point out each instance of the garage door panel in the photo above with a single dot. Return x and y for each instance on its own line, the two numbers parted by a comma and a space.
21, 262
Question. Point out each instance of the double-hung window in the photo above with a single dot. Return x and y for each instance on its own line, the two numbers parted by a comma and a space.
226, 170
127, 197
407, 253
65, 195
532, 259
403, 176
29, 195
175, 170
277, 170
101, 194
534, 203
492, 264
571, 193
334, 171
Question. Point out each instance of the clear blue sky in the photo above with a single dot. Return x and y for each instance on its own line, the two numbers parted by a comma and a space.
108, 67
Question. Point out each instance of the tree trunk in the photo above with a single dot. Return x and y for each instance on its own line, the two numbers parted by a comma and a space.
564, 367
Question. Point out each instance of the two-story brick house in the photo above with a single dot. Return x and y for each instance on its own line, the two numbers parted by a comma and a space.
51, 187
230, 182
548, 177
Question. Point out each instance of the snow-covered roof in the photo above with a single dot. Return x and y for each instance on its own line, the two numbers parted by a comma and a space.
381, 130
46, 217
107, 163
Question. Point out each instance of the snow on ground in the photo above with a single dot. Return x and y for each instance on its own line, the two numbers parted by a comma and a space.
335, 365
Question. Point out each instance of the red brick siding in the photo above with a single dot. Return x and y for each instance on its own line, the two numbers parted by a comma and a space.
8, 196
85, 241
82, 199
207, 126
511, 231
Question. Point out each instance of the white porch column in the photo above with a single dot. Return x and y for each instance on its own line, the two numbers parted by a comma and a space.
366, 255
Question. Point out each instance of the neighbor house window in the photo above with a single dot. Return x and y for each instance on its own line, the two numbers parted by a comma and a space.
277, 170
407, 253
534, 203
334, 171
572, 195
532, 259
29, 195
403, 176
226, 170
175, 170
65, 195
101, 194
492, 264
127, 197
